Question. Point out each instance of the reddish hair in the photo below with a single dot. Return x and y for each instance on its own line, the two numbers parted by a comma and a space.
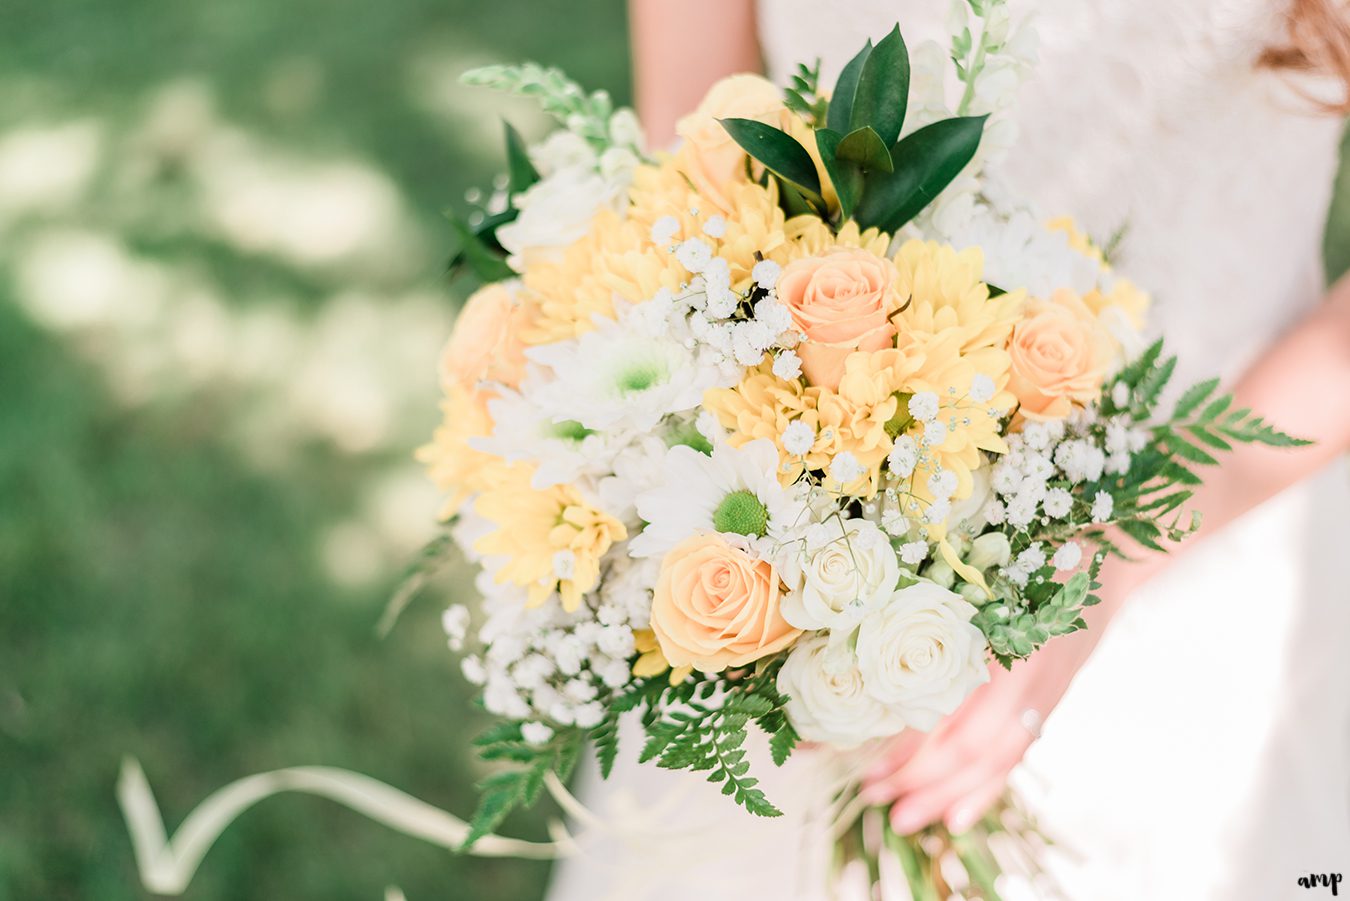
1318, 42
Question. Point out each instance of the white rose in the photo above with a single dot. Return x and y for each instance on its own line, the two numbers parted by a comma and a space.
920, 655
841, 571
827, 700
555, 212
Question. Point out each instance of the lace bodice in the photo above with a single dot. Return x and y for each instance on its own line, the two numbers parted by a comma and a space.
1151, 116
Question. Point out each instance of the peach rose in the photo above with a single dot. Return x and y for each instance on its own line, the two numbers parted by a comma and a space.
711, 160
841, 301
715, 606
1059, 353
485, 344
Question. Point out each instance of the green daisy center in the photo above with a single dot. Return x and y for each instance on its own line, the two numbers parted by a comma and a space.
900, 423
640, 377
570, 430
741, 513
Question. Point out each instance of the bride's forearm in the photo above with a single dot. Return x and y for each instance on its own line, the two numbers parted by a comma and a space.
680, 47
1301, 384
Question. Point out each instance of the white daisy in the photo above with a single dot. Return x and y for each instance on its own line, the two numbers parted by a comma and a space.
733, 491
640, 468
562, 449
618, 376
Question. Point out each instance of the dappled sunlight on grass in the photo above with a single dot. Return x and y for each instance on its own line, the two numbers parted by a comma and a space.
221, 304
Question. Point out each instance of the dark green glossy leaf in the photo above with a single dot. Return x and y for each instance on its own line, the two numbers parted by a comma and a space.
520, 170
866, 148
846, 177
487, 265
794, 202
778, 151
883, 89
925, 163
840, 110
486, 233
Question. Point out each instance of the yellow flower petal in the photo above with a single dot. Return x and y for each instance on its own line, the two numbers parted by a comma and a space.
967, 572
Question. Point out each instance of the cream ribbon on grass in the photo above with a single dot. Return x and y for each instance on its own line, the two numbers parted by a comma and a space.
167, 865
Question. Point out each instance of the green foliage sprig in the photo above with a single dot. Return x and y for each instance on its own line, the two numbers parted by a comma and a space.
588, 115
880, 180
522, 783
1161, 479
701, 725
581, 113
1148, 500
802, 95
479, 251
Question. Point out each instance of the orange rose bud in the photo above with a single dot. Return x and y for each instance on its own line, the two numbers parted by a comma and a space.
841, 301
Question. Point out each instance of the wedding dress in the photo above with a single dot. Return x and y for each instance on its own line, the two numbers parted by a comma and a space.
1204, 750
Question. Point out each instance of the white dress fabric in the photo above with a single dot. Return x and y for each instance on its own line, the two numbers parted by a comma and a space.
1204, 750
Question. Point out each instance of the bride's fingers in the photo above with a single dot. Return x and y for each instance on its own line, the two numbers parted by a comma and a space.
898, 752
931, 803
963, 788
936, 761
958, 743
970, 749
967, 811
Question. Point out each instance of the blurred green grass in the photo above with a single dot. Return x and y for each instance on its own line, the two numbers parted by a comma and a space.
172, 586
167, 587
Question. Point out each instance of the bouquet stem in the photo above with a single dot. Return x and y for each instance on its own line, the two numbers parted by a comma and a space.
936, 864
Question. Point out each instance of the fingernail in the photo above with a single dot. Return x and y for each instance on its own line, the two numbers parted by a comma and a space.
961, 819
906, 820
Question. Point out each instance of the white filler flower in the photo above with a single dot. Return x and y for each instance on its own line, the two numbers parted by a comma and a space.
827, 700
920, 655
841, 570
732, 490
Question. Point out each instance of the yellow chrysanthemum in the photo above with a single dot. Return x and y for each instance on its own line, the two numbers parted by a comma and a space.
944, 289
552, 539
969, 427
761, 406
1078, 239
1123, 295
454, 466
1131, 300
809, 236
854, 420
617, 259
868, 411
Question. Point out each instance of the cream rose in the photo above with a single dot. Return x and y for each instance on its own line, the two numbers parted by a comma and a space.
842, 571
715, 606
1060, 354
826, 698
842, 302
485, 344
920, 655
708, 156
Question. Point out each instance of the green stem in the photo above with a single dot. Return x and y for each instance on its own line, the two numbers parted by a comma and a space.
973, 72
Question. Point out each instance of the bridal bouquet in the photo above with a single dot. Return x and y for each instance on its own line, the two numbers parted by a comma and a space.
798, 427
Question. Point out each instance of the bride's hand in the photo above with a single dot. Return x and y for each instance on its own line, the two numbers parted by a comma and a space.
955, 773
